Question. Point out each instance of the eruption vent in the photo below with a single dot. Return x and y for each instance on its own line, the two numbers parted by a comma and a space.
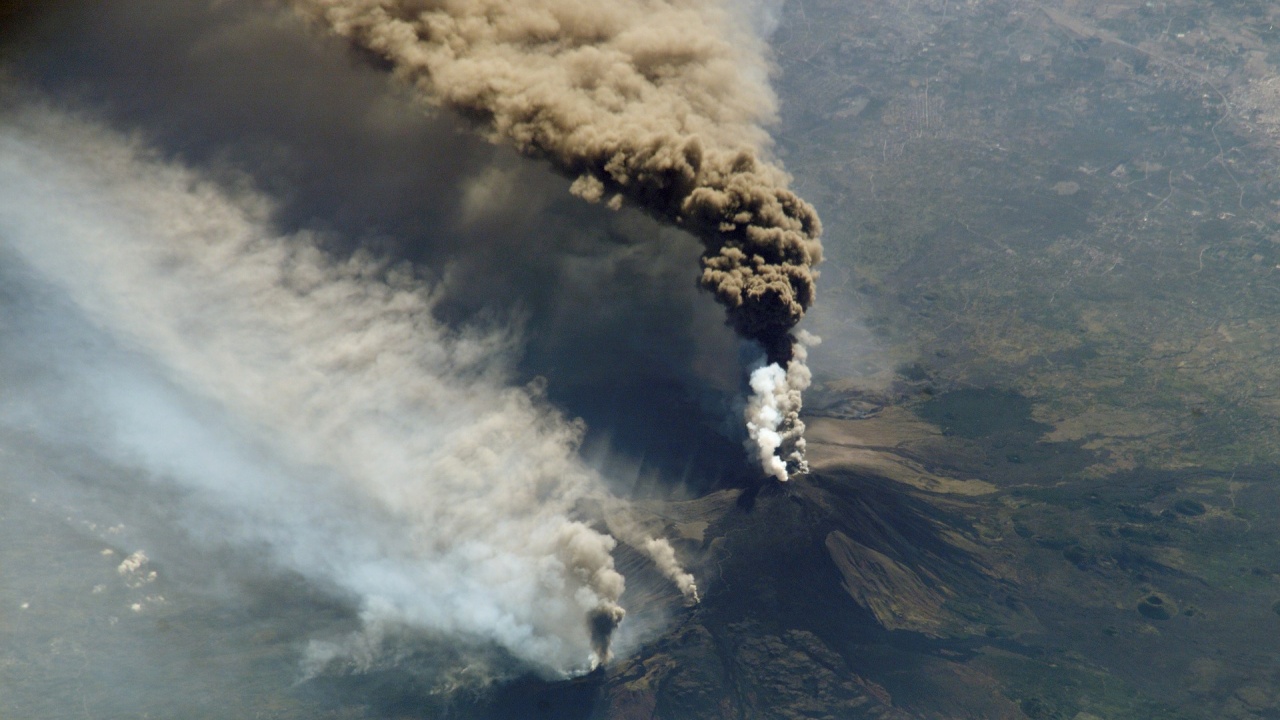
657, 102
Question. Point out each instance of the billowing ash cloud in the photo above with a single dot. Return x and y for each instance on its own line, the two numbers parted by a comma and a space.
657, 103
310, 406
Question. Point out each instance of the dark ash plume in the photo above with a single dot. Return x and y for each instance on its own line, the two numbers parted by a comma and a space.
657, 103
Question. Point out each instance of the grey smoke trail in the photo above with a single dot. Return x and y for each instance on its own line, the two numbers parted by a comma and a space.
624, 526
658, 103
362, 443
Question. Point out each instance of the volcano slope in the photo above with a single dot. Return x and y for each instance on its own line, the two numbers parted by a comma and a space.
865, 589
859, 590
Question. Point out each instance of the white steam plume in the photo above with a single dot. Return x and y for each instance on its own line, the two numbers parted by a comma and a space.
773, 412
313, 406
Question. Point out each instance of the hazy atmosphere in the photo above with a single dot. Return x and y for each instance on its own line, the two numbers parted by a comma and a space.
639, 359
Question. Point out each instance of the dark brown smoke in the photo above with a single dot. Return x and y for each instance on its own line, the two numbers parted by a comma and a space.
659, 103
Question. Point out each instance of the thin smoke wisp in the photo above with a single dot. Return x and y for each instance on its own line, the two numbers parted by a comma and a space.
657, 103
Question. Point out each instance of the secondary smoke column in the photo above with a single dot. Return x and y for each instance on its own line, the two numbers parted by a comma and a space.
658, 102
